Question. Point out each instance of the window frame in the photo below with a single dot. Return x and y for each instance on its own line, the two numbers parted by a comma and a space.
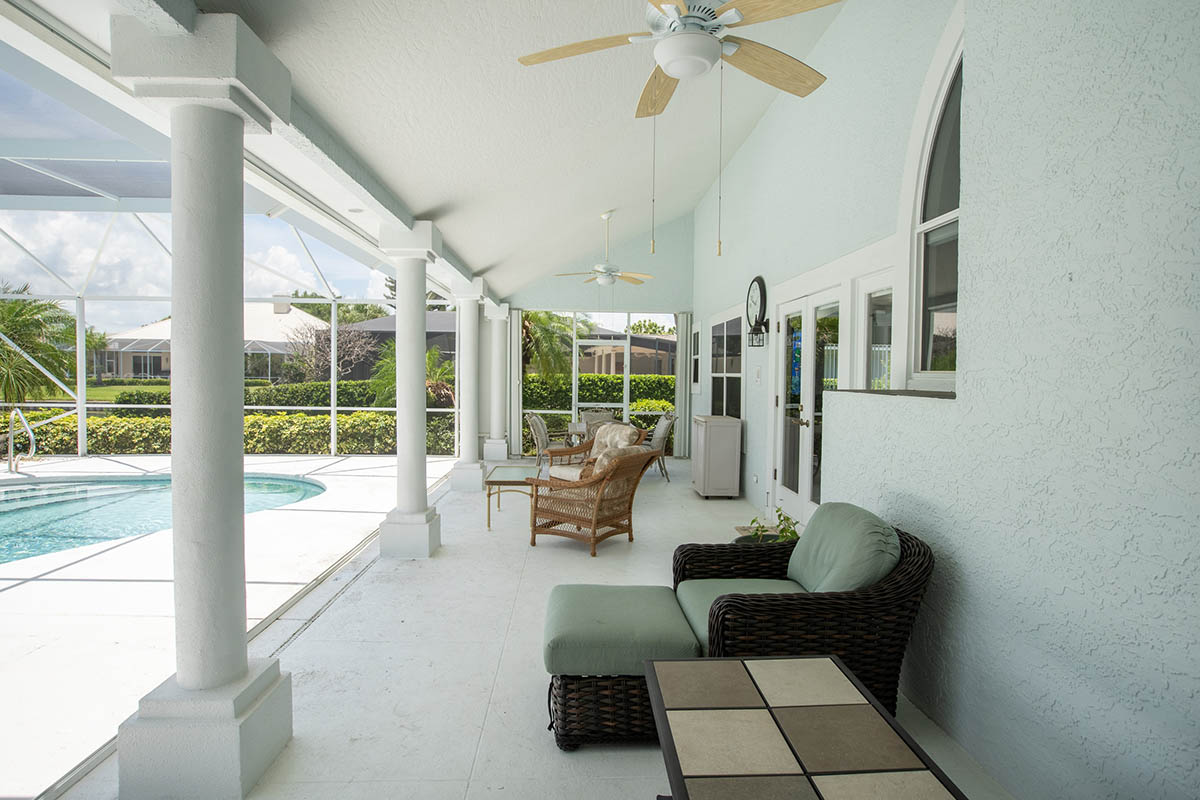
864, 289
723, 319
919, 379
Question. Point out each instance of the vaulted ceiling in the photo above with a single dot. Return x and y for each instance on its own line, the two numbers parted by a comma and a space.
514, 164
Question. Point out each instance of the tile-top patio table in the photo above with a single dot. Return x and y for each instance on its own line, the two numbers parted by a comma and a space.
506, 478
767, 728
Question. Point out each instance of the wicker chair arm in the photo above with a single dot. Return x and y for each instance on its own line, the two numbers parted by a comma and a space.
767, 560
569, 455
559, 483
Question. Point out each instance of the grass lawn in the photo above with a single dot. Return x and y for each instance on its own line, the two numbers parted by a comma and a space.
108, 394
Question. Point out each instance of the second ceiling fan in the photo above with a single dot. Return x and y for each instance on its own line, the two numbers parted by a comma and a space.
691, 38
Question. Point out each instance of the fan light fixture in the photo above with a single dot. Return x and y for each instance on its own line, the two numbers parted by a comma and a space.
688, 54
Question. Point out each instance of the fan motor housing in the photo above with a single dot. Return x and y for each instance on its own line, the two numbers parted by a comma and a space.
688, 53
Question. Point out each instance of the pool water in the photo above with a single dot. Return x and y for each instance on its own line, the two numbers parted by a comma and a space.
41, 518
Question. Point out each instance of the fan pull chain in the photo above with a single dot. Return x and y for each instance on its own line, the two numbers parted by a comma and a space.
653, 170
720, 150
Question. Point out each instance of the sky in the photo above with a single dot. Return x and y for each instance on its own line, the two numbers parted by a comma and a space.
133, 264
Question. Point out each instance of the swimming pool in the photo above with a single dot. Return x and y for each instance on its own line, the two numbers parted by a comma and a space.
45, 517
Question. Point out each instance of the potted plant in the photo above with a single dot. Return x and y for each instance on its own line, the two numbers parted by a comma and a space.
757, 531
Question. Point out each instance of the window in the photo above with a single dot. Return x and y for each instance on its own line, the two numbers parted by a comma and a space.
695, 361
879, 340
937, 245
727, 368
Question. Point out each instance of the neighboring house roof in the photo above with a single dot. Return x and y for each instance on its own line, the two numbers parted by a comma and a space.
435, 322
265, 331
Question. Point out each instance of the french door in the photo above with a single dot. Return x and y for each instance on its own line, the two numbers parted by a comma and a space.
806, 350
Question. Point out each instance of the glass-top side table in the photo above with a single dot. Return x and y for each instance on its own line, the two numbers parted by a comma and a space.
506, 478
783, 727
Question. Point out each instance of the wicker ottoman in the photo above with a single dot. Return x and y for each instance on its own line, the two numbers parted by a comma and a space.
596, 644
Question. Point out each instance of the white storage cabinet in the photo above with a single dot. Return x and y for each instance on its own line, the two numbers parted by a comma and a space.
716, 456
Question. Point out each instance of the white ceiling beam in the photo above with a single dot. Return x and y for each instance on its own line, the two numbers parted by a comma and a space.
166, 17
24, 202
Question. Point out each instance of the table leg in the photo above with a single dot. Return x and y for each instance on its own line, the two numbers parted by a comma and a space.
488, 501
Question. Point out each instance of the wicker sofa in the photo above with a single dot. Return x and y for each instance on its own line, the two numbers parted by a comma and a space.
868, 628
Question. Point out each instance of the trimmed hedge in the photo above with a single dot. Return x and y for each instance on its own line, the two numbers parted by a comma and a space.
359, 432
157, 382
554, 391
357, 394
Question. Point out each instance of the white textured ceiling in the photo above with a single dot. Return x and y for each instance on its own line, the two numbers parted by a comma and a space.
514, 164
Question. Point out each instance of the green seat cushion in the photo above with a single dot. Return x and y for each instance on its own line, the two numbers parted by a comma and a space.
612, 630
696, 597
843, 548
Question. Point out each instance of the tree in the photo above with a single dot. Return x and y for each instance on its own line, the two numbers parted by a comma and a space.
310, 356
348, 313
389, 291
95, 342
43, 330
648, 327
546, 342
439, 378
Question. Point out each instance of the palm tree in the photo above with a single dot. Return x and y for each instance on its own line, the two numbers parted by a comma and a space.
40, 328
439, 378
546, 342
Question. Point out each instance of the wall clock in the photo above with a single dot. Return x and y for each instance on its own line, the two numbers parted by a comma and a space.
756, 311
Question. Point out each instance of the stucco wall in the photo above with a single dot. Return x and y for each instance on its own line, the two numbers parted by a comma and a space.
817, 179
1058, 642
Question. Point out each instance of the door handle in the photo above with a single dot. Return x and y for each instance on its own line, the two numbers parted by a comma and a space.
802, 422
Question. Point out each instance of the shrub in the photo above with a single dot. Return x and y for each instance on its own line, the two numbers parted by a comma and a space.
359, 432
129, 382
554, 391
142, 397
358, 394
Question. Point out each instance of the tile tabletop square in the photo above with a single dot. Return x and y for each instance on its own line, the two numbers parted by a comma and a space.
706, 684
803, 682
730, 742
846, 738
918, 785
759, 787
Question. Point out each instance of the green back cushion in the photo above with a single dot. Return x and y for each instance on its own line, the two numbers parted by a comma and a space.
843, 548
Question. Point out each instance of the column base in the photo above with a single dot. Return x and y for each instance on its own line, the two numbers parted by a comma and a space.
212, 743
404, 535
495, 450
467, 476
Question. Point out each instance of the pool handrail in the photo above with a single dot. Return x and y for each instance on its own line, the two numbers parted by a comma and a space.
14, 462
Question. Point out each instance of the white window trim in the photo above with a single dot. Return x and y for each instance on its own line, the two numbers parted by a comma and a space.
906, 305
860, 323
706, 342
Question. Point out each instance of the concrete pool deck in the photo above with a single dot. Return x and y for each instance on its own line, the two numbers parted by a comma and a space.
84, 633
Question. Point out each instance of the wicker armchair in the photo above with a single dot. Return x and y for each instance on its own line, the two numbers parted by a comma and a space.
582, 452
868, 628
592, 509
541, 435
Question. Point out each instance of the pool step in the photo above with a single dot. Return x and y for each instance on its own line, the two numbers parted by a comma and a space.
36, 496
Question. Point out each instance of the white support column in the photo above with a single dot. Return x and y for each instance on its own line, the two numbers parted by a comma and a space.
495, 447
80, 376
333, 375
412, 529
215, 726
467, 475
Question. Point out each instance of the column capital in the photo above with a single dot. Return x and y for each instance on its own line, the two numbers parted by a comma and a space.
496, 311
424, 241
473, 292
222, 64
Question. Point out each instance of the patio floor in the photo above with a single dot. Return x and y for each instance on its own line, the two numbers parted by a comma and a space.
84, 633
424, 679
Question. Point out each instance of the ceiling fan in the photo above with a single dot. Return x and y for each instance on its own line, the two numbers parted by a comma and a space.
606, 274
691, 38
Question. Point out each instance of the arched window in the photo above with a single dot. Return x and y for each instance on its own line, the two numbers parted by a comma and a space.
937, 242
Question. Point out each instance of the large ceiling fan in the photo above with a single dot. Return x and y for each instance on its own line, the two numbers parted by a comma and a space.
691, 38
606, 274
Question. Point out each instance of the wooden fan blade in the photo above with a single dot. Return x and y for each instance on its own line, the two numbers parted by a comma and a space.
755, 11
771, 66
625, 277
577, 49
589, 280
656, 94
571, 274
641, 275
